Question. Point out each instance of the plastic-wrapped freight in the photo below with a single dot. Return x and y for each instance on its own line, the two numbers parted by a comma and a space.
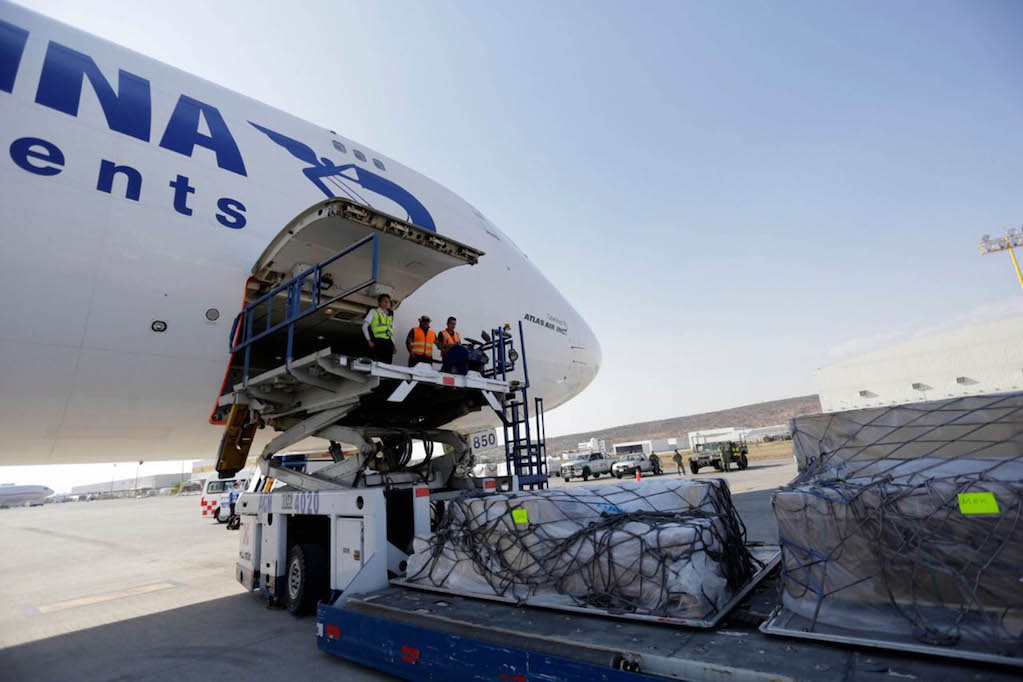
665, 548
908, 520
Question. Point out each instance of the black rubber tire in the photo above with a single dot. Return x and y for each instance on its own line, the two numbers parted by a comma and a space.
305, 580
743, 462
566, 478
218, 517
618, 473
695, 468
596, 475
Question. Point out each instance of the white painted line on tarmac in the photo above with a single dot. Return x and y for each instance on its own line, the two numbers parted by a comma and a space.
105, 597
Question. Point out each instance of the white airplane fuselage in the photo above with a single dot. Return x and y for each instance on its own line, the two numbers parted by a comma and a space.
134, 193
14, 495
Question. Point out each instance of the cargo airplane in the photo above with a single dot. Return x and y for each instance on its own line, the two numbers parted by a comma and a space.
136, 200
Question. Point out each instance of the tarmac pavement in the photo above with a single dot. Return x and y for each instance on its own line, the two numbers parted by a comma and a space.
143, 589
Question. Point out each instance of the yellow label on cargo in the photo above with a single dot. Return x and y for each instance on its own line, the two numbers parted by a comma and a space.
520, 516
978, 503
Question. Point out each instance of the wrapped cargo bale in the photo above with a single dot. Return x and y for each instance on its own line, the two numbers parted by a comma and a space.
664, 548
908, 520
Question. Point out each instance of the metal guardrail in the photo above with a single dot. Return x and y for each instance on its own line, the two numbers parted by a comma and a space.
243, 335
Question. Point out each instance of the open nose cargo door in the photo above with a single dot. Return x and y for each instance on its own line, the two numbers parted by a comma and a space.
311, 288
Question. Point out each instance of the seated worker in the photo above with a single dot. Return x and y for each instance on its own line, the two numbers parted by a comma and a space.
448, 339
420, 342
378, 328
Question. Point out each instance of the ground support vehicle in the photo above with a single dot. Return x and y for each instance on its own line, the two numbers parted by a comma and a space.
422, 636
721, 455
214, 496
631, 465
587, 467
336, 539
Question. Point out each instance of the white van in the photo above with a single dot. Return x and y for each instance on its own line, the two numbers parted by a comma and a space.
214, 494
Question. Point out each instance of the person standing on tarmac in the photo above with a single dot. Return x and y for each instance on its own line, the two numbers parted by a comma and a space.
419, 343
679, 466
232, 496
378, 328
448, 339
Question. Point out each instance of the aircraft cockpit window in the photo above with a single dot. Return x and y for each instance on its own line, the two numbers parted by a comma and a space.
359, 155
340, 147
379, 164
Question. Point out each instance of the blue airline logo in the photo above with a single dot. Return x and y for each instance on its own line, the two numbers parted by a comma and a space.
128, 110
322, 168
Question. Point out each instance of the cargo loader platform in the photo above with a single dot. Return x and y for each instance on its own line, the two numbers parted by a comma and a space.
423, 636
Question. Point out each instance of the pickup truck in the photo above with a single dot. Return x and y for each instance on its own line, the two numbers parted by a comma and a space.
629, 465
593, 464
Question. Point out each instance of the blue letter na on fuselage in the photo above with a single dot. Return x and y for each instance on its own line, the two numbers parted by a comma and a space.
128, 110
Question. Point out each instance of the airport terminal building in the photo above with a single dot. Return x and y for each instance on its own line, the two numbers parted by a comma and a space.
971, 360
152, 482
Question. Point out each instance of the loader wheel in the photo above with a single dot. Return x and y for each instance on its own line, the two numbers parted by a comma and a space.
306, 579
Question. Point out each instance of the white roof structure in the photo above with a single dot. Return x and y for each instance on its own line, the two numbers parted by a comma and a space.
971, 360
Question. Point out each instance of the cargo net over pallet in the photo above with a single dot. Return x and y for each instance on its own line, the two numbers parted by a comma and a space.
906, 521
672, 549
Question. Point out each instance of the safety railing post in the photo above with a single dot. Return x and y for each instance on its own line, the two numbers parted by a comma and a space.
522, 354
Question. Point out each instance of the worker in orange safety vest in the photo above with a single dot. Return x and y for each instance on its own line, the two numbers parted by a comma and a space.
420, 341
447, 339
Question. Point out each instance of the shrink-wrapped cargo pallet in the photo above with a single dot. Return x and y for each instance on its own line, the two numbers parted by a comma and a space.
907, 521
666, 548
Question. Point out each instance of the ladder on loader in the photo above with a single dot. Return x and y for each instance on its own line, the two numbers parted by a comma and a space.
525, 454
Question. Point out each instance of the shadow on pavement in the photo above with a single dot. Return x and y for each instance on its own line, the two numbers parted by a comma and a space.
233, 637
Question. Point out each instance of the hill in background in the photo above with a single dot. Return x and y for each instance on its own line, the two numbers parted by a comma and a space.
749, 416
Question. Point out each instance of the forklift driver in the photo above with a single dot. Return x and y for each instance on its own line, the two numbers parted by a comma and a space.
378, 328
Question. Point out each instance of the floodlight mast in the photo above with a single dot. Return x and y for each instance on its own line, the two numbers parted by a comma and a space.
1013, 237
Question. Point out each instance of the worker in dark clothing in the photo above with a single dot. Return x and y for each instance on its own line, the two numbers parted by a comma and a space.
655, 462
419, 342
680, 468
378, 328
447, 340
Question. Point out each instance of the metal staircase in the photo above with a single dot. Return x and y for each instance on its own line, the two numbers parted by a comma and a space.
525, 451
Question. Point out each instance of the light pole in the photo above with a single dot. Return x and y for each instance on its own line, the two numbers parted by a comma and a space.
1013, 237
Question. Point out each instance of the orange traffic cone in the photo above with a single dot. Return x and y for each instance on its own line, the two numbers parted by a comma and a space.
638, 477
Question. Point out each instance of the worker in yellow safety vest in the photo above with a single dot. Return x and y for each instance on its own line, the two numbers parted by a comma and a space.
420, 342
378, 328
447, 339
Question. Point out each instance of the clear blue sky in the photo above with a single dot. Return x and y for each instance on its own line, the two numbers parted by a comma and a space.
730, 193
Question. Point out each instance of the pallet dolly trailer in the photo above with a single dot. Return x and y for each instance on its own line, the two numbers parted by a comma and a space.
333, 536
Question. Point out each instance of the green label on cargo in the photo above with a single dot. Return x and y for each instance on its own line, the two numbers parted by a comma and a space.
978, 503
520, 516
